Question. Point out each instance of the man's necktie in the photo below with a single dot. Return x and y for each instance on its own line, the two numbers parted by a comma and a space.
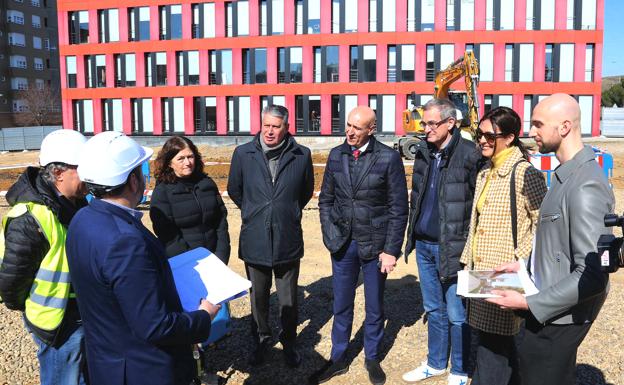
356, 154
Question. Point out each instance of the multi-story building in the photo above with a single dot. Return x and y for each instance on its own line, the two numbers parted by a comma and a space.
185, 66
28, 53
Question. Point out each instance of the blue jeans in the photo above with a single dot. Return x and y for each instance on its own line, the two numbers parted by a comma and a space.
446, 313
63, 365
345, 272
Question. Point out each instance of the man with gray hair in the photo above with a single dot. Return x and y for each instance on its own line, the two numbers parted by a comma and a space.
271, 180
443, 183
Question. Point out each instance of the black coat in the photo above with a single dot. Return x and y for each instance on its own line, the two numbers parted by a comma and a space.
189, 214
26, 246
458, 172
373, 210
271, 231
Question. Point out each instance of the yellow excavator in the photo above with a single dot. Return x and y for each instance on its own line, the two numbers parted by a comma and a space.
466, 102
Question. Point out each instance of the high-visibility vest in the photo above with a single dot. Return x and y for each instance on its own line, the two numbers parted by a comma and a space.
45, 305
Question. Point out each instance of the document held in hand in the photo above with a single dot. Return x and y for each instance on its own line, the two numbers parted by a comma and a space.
198, 274
480, 283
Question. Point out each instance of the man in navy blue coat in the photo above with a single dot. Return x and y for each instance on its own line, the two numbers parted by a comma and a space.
135, 329
363, 209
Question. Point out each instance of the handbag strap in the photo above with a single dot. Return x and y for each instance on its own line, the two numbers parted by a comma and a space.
512, 200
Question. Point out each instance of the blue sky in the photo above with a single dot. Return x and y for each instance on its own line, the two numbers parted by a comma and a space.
613, 52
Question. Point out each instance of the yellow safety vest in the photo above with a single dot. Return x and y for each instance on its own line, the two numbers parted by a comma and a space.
45, 305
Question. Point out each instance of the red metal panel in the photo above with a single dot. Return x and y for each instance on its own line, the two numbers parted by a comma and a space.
110, 71
154, 23
362, 100
459, 50
237, 66
204, 67
289, 17
539, 62
499, 62
579, 62
326, 117
520, 15
480, 11
123, 24
308, 64
382, 63
518, 106
157, 112
420, 65
80, 72
63, 71
362, 24
63, 32
93, 26
189, 121
561, 14
254, 18
254, 104
343, 63
600, 16
220, 19
290, 105
222, 118
126, 112
272, 65
401, 16
68, 113
171, 68
139, 59
326, 16
439, 15
97, 116
187, 21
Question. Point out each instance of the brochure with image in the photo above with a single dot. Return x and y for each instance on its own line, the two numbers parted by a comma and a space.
481, 283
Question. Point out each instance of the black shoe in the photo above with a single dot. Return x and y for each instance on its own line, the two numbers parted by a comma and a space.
292, 358
258, 356
329, 370
376, 374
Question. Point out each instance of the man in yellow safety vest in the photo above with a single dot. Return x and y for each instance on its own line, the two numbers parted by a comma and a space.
34, 274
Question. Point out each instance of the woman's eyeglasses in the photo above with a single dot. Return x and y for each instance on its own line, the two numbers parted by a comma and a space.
490, 137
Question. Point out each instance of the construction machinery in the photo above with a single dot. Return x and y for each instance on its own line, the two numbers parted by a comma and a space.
466, 102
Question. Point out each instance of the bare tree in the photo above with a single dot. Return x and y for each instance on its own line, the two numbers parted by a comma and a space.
43, 106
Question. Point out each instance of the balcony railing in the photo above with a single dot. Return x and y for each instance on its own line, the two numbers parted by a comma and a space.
353, 75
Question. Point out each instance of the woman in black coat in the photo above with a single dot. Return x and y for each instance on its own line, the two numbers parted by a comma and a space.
186, 208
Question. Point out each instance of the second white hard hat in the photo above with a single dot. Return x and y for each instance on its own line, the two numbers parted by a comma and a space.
61, 146
108, 158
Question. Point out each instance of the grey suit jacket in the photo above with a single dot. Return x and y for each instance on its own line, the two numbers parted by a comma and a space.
565, 262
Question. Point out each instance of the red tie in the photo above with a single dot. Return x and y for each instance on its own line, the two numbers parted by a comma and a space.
356, 153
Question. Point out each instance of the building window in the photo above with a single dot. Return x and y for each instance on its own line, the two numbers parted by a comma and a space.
220, 66
112, 115
141, 118
586, 104
125, 70
486, 62
326, 64
109, 25
587, 15
35, 3
506, 17
344, 16
38, 64
83, 115
237, 18
530, 16
420, 15
290, 65
430, 70
382, 15
386, 118
70, 66
20, 105
203, 20
188, 68
307, 113
170, 22
95, 66
566, 62
39, 84
155, 69
271, 17
489, 15
205, 114
509, 62
37, 44
19, 83
392, 64
254, 66
139, 23
78, 27
17, 39
546, 19
172, 114
17, 17
524, 63
589, 62
17, 61
36, 21
46, 44
238, 113
354, 55
548, 61
308, 16
401, 63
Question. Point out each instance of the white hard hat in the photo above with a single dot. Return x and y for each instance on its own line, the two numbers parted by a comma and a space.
108, 158
62, 146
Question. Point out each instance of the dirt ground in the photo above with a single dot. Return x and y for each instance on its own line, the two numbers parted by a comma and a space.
600, 356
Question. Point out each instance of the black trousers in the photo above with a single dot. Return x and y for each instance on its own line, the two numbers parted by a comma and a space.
497, 360
286, 277
547, 353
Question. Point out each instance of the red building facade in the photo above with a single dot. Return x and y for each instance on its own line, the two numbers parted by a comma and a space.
207, 68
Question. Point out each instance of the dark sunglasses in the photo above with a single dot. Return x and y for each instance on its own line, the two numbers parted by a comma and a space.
490, 137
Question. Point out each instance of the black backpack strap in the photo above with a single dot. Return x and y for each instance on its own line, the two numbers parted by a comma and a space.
512, 200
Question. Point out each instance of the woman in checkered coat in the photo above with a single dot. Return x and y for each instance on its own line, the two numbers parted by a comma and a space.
490, 240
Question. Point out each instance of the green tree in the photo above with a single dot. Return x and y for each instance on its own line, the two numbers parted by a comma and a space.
614, 95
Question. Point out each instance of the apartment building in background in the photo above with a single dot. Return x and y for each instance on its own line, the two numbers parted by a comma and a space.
29, 55
208, 68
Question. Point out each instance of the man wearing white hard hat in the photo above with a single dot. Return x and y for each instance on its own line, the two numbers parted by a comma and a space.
135, 329
34, 273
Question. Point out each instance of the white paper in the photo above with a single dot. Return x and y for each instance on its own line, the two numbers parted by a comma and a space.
478, 284
221, 282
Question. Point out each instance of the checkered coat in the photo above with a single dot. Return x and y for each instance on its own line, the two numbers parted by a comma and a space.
494, 238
